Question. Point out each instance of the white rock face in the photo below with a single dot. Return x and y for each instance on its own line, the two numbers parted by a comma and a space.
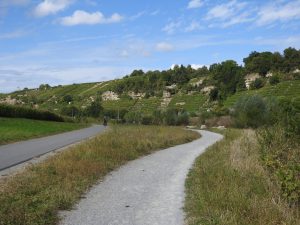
250, 78
11, 101
110, 96
207, 89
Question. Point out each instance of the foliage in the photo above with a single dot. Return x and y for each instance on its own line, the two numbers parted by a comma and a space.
250, 111
257, 84
229, 186
274, 80
281, 155
24, 112
95, 109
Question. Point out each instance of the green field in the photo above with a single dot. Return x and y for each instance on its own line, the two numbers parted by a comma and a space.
192, 102
21, 129
287, 89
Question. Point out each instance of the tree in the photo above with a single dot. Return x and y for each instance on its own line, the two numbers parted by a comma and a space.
95, 109
67, 98
274, 80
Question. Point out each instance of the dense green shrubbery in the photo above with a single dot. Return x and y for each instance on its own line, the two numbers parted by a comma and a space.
171, 117
28, 113
279, 135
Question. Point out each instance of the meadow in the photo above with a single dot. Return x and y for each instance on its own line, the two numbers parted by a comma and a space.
16, 129
229, 184
36, 195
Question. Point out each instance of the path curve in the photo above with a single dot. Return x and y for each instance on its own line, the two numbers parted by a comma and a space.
16, 153
146, 191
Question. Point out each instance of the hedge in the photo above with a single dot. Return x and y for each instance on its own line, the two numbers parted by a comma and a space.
28, 113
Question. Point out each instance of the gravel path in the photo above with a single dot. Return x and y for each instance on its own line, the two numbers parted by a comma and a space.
16, 153
146, 191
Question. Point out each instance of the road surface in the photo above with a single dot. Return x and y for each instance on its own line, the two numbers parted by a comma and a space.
146, 191
16, 153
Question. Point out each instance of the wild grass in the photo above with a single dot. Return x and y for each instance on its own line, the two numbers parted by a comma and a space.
229, 185
36, 195
12, 129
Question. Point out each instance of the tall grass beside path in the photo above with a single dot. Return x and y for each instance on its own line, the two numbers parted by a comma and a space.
35, 196
229, 185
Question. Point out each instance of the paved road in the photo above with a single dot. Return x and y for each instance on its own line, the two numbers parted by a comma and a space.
16, 153
146, 191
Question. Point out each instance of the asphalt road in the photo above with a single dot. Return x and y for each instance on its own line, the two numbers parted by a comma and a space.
16, 153
146, 191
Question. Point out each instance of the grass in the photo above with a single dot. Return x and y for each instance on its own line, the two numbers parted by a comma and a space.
14, 129
229, 185
287, 89
35, 196
192, 102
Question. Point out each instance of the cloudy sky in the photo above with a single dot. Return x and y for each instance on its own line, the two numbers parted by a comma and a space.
74, 41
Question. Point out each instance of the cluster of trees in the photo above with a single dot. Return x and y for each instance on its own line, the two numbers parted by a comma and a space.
228, 77
94, 110
153, 82
264, 62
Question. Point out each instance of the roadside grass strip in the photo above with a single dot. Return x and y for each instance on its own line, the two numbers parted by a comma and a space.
15, 129
229, 185
35, 196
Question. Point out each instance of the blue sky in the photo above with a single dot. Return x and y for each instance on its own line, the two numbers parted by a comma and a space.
75, 41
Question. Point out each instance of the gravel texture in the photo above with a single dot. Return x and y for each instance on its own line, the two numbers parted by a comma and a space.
146, 191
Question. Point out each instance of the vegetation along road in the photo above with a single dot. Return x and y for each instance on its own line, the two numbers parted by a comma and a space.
149, 190
16, 153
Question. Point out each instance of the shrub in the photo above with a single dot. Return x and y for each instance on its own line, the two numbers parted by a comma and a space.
94, 109
28, 113
250, 111
257, 84
183, 118
274, 80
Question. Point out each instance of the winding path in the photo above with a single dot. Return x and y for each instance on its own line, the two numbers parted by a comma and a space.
146, 191
16, 153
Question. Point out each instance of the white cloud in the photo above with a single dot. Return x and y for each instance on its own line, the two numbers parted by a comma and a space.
230, 13
193, 4
171, 27
48, 7
12, 35
82, 17
193, 27
197, 66
278, 12
164, 47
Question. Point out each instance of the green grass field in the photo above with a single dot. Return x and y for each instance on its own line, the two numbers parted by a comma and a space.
12, 129
192, 102
287, 89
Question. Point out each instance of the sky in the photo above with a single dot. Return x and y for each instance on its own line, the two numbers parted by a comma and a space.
78, 41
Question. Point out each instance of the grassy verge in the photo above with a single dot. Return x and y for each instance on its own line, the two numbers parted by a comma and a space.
36, 195
12, 129
229, 185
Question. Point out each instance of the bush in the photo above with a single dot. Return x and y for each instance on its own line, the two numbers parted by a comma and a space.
274, 80
257, 84
183, 118
28, 113
250, 111
94, 110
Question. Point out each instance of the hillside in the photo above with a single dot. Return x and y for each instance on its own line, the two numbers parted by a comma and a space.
182, 88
